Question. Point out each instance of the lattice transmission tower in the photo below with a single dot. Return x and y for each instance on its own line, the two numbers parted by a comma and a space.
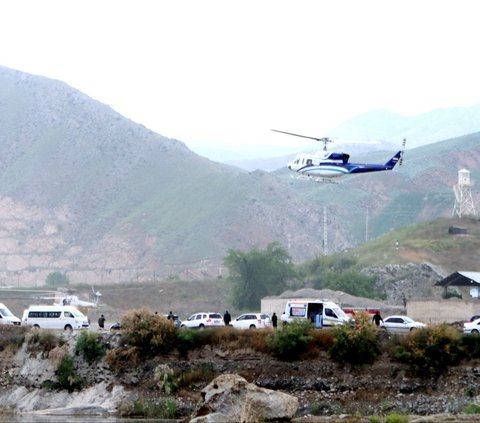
464, 205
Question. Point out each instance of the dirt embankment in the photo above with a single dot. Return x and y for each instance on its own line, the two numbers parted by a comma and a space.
323, 387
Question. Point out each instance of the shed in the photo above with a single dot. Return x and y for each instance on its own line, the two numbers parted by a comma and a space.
470, 279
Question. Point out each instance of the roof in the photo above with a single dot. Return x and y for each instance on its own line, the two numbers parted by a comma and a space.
460, 279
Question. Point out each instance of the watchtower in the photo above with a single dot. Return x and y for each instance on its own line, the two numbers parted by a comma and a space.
463, 195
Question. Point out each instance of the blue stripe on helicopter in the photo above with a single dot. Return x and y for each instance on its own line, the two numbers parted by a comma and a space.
323, 169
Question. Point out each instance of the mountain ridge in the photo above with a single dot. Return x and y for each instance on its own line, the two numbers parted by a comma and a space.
89, 193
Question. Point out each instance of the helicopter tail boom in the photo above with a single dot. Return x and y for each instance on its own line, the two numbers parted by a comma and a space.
393, 161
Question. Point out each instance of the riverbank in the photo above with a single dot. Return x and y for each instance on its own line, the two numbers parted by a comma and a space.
171, 384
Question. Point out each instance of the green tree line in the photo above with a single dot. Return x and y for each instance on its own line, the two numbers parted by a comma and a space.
259, 273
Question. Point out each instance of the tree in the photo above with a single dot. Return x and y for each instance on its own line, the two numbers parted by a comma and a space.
258, 273
57, 279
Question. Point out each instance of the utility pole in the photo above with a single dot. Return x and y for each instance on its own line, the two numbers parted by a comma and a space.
325, 243
366, 226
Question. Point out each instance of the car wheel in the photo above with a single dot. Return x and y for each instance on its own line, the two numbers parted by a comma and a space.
474, 331
413, 329
253, 327
36, 327
68, 327
183, 327
201, 327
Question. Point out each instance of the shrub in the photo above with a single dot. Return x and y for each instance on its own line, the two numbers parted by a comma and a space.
143, 407
470, 345
188, 340
355, 344
43, 341
12, 337
430, 350
90, 346
396, 418
472, 409
165, 378
67, 375
291, 341
149, 334
57, 279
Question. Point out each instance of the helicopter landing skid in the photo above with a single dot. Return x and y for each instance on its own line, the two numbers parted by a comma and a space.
315, 179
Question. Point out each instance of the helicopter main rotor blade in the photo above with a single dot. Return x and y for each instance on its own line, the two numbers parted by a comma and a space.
324, 139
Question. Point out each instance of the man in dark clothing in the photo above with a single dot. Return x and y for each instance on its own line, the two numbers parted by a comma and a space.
274, 320
101, 322
170, 316
227, 318
377, 318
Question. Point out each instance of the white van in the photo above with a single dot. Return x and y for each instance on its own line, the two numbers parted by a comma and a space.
320, 312
55, 317
7, 317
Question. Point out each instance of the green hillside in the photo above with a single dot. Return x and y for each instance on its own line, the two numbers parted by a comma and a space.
426, 242
93, 192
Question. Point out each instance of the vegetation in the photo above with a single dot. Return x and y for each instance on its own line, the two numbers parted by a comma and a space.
55, 279
356, 344
258, 273
90, 346
67, 375
12, 337
43, 341
338, 272
431, 350
144, 335
150, 408
291, 342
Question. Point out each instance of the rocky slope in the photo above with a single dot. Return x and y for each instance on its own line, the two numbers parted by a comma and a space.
321, 387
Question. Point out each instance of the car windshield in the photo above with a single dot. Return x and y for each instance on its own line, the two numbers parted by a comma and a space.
6, 312
339, 312
407, 319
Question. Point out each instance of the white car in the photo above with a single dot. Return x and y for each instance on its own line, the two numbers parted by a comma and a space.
203, 320
400, 324
472, 326
251, 321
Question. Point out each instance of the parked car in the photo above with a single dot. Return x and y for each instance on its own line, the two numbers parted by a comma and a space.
203, 320
400, 324
116, 326
474, 317
472, 327
252, 321
175, 318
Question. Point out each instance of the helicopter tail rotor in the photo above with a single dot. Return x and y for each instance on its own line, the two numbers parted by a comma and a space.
404, 142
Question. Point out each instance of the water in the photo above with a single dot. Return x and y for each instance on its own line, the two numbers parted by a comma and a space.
43, 418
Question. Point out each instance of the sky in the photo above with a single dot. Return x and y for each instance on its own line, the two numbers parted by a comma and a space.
221, 74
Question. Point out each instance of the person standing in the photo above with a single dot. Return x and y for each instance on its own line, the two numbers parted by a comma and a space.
377, 318
227, 318
101, 322
274, 320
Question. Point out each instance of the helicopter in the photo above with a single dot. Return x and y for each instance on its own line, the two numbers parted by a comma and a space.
73, 300
323, 166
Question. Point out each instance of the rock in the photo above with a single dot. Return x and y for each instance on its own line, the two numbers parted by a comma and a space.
240, 401
211, 418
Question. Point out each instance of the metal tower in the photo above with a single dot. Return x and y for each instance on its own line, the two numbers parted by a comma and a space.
463, 195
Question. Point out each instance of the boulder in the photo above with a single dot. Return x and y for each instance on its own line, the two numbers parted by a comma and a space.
230, 396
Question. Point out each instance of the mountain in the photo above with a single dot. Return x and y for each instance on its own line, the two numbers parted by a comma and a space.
87, 192
387, 129
426, 128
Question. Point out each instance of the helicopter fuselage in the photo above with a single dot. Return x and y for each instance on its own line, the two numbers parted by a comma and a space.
332, 165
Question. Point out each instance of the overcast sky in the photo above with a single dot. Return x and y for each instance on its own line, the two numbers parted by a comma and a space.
226, 72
